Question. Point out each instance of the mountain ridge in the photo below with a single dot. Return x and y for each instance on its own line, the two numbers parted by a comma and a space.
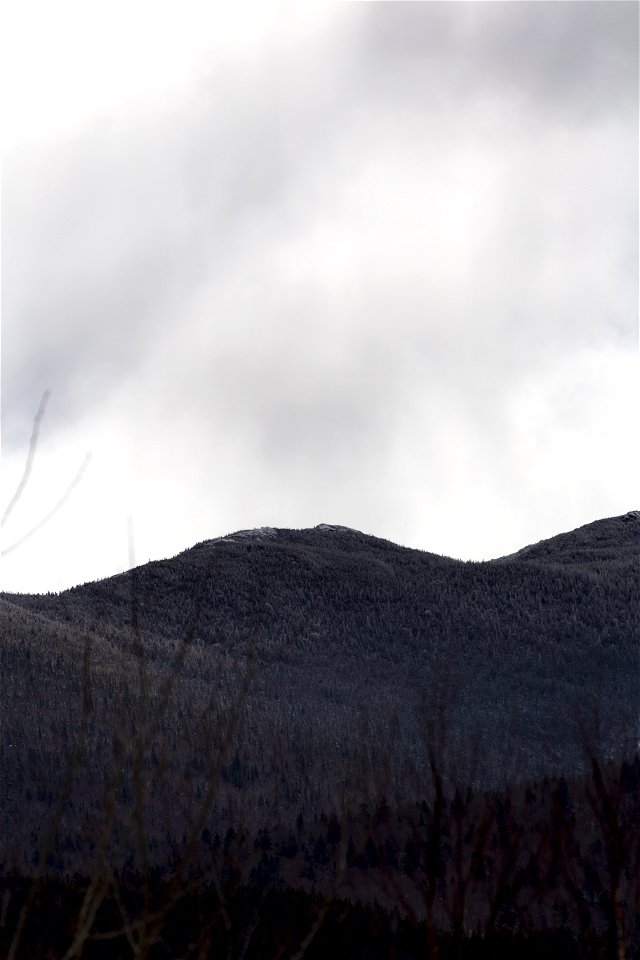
549, 625
350, 647
593, 542
621, 532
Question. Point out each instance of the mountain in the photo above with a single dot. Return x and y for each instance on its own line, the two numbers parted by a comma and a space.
615, 541
310, 663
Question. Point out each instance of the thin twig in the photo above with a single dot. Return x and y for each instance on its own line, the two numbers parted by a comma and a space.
61, 502
33, 443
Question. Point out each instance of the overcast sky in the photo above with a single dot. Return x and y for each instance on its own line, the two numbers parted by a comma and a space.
372, 264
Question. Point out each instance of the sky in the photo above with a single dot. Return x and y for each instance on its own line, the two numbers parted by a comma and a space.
369, 264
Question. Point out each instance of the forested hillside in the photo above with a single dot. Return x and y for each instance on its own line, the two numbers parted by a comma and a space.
284, 680
343, 625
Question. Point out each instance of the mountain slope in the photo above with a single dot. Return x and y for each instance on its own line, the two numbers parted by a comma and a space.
612, 541
353, 646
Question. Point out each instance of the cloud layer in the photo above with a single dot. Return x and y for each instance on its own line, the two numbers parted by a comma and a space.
376, 268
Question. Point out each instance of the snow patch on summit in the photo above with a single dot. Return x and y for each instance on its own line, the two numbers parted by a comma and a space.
334, 527
257, 533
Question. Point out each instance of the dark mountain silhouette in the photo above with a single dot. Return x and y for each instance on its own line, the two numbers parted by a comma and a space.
462, 730
615, 541
353, 633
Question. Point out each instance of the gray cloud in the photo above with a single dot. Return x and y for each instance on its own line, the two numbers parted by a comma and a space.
572, 61
321, 285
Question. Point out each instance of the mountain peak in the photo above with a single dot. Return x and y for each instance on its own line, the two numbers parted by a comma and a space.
335, 528
255, 533
613, 539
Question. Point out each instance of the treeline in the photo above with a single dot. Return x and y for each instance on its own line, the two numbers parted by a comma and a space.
550, 866
196, 926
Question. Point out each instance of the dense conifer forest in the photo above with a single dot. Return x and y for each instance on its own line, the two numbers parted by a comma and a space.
288, 743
